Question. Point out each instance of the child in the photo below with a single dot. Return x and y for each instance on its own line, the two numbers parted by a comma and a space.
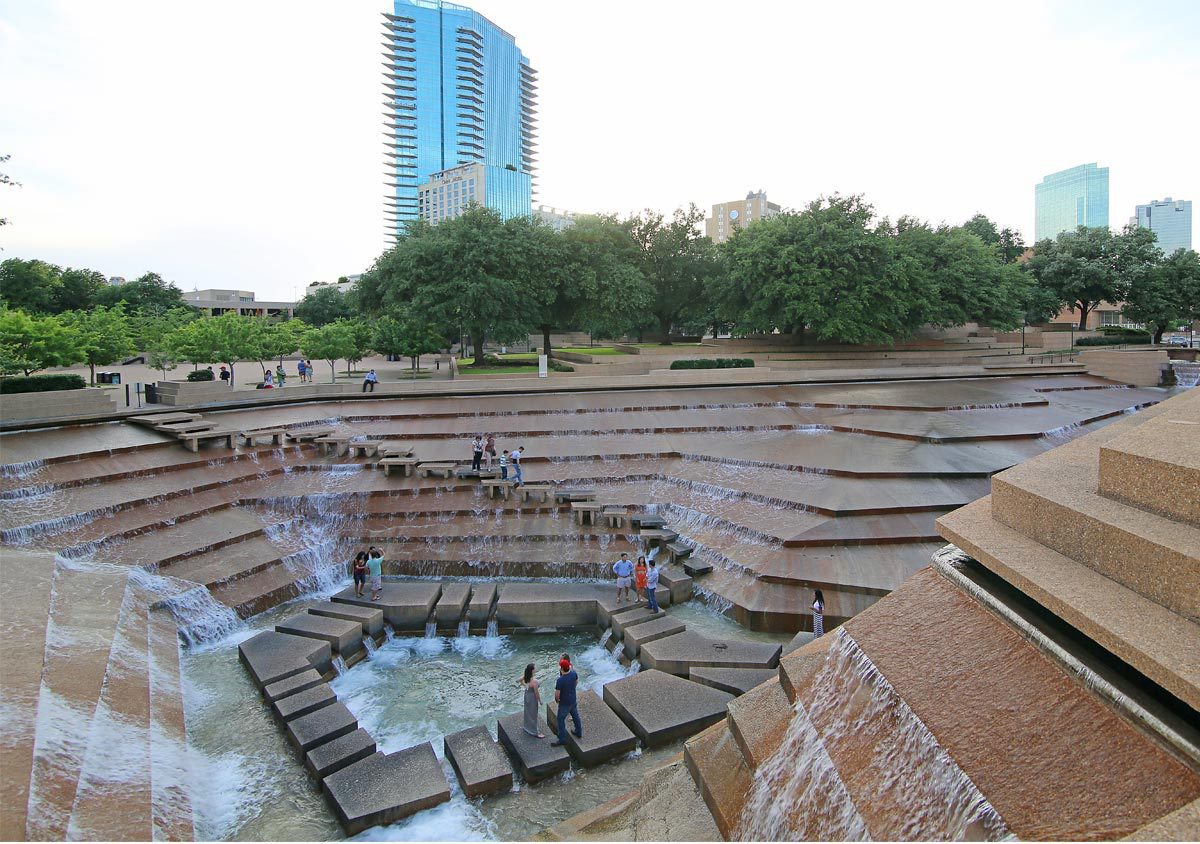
504, 465
360, 572
280, 375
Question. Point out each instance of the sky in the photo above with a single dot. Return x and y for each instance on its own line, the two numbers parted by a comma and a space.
239, 143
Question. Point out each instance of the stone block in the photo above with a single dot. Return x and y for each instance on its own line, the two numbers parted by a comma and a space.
478, 762
326, 724
328, 758
719, 769
797, 668
605, 736
271, 656
452, 604
679, 653
676, 583
607, 606
735, 681
406, 605
546, 605
371, 618
1156, 466
344, 637
380, 790
622, 620
661, 707
648, 630
696, 568
292, 685
483, 596
758, 720
535, 758
302, 703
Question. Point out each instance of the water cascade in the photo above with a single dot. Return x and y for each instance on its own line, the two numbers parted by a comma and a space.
370, 645
906, 787
339, 665
1187, 373
21, 470
493, 629
604, 637
431, 630
464, 629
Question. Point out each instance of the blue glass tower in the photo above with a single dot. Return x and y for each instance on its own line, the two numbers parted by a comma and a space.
1065, 200
1170, 219
459, 91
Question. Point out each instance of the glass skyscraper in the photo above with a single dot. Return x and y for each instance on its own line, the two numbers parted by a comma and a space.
1068, 199
458, 91
1170, 219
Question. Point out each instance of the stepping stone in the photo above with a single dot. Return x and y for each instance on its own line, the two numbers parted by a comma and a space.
695, 568
371, 618
532, 756
302, 703
547, 605
328, 758
639, 634
604, 735
380, 790
736, 681
478, 762
660, 707
406, 605
344, 637
324, 725
607, 607
450, 606
679, 653
621, 621
271, 656
644, 520
675, 583
480, 605
292, 685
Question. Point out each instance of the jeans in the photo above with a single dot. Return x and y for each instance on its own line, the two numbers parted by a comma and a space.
369, 385
650, 597
504, 473
517, 473
573, 709
476, 459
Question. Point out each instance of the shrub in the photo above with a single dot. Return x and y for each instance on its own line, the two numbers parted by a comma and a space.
556, 366
712, 363
1122, 329
1113, 340
41, 383
200, 375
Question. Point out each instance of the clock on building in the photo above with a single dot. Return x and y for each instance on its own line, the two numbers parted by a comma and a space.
733, 215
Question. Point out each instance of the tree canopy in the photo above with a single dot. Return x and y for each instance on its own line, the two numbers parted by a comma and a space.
147, 294
677, 261
324, 305
1167, 296
101, 336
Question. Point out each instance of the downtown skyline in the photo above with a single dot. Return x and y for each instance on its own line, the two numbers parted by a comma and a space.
203, 159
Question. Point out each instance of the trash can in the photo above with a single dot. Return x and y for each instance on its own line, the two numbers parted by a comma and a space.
152, 394
114, 378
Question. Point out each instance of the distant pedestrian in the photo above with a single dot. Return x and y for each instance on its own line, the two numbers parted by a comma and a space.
280, 375
268, 380
370, 381
818, 608
224, 374
302, 371
504, 465
489, 450
308, 369
359, 570
375, 567
476, 452
515, 458
652, 585
623, 569
639, 578
565, 697
533, 702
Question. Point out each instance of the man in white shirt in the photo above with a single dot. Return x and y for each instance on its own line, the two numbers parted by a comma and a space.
623, 569
651, 585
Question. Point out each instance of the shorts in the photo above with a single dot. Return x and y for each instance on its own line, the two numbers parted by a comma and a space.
376, 583
624, 582
360, 577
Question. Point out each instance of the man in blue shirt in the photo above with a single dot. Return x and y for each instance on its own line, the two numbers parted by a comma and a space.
564, 696
651, 585
623, 569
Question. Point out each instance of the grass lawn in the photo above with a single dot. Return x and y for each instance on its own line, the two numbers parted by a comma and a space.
664, 345
498, 370
533, 356
594, 350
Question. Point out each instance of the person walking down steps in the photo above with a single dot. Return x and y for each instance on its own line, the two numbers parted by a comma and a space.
477, 453
515, 459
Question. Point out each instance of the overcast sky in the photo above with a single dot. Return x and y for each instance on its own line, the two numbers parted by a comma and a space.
234, 143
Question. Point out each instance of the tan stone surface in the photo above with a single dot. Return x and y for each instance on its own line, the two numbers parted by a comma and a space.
1181, 825
758, 720
719, 769
1052, 760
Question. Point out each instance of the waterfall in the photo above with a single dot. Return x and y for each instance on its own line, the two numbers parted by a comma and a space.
389, 632
370, 645
464, 629
493, 629
339, 665
26, 492
22, 470
431, 630
605, 637
909, 789
1187, 373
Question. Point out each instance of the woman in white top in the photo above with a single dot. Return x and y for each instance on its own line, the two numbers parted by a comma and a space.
818, 608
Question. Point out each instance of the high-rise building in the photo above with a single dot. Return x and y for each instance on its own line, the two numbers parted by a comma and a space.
555, 218
1065, 200
728, 217
1170, 219
459, 92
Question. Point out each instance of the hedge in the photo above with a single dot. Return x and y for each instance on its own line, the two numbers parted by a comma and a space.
1114, 340
713, 363
41, 383
200, 375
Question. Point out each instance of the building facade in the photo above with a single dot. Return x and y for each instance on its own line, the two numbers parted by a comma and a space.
1170, 219
728, 217
458, 92
1065, 200
217, 302
555, 218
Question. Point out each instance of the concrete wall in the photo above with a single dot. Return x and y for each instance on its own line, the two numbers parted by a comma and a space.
55, 403
1139, 367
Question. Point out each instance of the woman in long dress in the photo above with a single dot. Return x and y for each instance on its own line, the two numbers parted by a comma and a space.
818, 608
533, 702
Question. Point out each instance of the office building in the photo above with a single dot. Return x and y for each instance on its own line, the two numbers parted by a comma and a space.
555, 218
1170, 219
728, 217
459, 93
1065, 200
217, 302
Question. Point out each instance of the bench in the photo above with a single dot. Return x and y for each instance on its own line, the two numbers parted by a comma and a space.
339, 444
615, 516
480, 474
154, 419
191, 441
186, 427
276, 435
677, 550
302, 435
540, 490
404, 464
656, 536
497, 488
441, 470
641, 520
567, 496
585, 512
368, 448
387, 449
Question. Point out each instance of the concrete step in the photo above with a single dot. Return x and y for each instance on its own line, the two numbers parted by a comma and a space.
329, 758
271, 657
735, 681
758, 719
343, 636
381, 790
1156, 466
535, 758
452, 604
370, 618
679, 653
481, 605
650, 629
478, 762
620, 621
719, 770
178, 542
406, 605
604, 735
260, 591
228, 563
660, 708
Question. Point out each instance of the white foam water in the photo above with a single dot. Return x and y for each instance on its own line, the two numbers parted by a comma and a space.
21, 471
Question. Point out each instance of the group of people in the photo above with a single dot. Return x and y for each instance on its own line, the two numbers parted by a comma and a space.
369, 562
641, 576
483, 453
565, 695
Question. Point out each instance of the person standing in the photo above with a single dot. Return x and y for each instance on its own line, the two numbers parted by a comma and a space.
300, 370
515, 458
476, 452
639, 578
652, 585
504, 465
564, 695
375, 567
224, 374
623, 569
489, 450
533, 702
818, 608
359, 570
280, 375
370, 381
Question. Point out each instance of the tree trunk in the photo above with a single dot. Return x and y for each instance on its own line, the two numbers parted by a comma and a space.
1084, 310
477, 346
333, 372
1158, 333
230, 364
664, 324
92, 367
545, 340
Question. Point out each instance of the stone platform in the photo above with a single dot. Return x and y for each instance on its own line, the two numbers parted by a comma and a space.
370, 618
680, 653
344, 637
648, 630
660, 707
406, 605
380, 790
321, 726
271, 657
478, 762
735, 681
331, 757
533, 757
604, 735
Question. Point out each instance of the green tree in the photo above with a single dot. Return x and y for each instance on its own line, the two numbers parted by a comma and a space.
30, 285
406, 336
1167, 296
1007, 244
362, 335
101, 335
228, 339
275, 340
147, 294
151, 329
329, 343
29, 343
677, 261
78, 290
322, 306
